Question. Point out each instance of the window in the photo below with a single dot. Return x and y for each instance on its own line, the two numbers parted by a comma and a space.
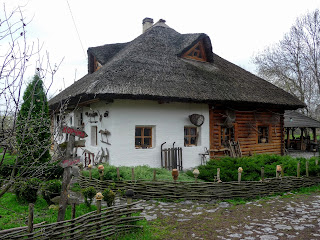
70, 121
263, 134
227, 134
190, 136
197, 52
94, 136
143, 137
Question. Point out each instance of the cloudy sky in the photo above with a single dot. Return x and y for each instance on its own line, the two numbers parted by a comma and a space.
238, 29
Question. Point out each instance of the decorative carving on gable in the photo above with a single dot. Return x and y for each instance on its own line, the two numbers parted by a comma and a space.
197, 52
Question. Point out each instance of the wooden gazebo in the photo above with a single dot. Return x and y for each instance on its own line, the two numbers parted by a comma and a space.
294, 120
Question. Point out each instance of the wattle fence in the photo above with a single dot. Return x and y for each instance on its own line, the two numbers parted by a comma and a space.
110, 222
203, 190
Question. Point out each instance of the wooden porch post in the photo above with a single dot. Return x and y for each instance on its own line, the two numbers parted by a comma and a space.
314, 131
288, 137
301, 138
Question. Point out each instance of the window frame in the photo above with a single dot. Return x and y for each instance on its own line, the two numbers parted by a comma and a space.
265, 134
222, 135
143, 146
190, 136
235, 127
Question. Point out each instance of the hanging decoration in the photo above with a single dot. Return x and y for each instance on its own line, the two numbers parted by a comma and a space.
196, 119
230, 118
105, 133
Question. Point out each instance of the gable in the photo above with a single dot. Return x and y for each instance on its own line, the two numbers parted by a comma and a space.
197, 52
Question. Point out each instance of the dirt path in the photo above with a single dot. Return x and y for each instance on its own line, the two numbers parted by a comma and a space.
289, 217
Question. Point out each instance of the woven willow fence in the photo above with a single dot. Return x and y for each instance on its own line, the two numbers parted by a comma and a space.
203, 190
111, 221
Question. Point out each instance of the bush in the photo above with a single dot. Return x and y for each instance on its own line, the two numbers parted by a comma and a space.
26, 191
51, 189
109, 197
88, 194
252, 167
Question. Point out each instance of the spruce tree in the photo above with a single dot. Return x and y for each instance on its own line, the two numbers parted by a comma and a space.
33, 125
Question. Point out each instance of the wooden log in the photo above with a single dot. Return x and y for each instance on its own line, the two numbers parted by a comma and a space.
298, 169
307, 168
262, 174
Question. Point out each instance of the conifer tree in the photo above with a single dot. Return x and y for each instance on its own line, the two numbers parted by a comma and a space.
33, 125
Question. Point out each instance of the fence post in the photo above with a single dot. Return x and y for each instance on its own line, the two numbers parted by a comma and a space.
317, 161
262, 174
118, 174
154, 175
129, 194
282, 171
278, 171
73, 216
298, 169
30, 218
307, 168
239, 174
218, 175
132, 174
99, 197
101, 171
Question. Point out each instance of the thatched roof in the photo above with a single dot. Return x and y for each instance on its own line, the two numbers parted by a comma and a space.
296, 119
151, 67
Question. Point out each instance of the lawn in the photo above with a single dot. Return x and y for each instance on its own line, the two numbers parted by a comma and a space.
14, 214
140, 173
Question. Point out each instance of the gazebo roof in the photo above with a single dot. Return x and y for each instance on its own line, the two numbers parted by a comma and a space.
296, 119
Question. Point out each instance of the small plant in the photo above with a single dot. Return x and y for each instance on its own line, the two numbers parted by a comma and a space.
88, 194
109, 197
50, 190
26, 191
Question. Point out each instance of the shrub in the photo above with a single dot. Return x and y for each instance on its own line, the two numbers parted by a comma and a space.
53, 171
109, 197
26, 191
51, 189
88, 194
252, 167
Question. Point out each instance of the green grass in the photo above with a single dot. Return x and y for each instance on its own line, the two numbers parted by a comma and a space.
14, 214
140, 173
299, 191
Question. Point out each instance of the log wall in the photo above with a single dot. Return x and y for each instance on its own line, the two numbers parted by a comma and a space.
246, 131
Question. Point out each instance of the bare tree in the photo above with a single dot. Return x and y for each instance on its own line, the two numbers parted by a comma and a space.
294, 63
16, 55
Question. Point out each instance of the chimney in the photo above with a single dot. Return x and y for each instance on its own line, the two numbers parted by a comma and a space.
146, 24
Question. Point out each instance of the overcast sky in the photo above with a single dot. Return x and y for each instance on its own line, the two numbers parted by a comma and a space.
238, 29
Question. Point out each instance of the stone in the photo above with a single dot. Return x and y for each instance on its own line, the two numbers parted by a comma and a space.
282, 227
268, 237
224, 205
183, 220
211, 210
235, 235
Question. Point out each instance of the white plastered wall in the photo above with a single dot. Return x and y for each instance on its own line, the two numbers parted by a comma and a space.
168, 121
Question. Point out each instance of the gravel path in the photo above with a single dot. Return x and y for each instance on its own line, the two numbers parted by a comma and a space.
289, 217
